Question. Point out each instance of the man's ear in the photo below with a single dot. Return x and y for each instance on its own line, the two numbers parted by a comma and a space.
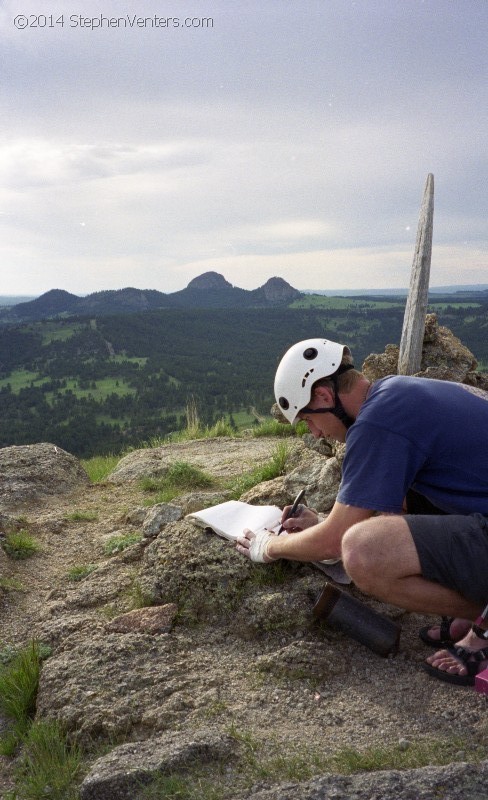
324, 394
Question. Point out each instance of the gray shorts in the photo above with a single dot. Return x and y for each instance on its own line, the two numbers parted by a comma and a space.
453, 551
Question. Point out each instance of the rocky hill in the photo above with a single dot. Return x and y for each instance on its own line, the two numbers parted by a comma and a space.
174, 656
210, 290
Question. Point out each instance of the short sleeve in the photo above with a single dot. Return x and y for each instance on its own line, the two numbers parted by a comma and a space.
379, 467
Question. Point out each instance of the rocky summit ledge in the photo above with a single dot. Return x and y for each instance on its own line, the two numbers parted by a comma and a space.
181, 656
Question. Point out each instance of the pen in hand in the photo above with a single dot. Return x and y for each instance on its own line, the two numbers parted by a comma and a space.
293, 509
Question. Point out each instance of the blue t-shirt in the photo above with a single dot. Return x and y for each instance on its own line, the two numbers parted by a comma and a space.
421, 434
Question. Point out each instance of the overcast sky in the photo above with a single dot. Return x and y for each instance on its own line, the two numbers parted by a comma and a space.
258, 138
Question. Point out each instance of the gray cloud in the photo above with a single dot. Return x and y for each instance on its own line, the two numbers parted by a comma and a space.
291, 140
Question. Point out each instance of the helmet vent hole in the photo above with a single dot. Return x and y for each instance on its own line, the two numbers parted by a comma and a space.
310, 353
284, 403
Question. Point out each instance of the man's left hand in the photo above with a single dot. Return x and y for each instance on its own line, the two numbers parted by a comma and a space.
254, 545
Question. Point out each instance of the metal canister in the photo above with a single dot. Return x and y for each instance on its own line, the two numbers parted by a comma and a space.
345, 613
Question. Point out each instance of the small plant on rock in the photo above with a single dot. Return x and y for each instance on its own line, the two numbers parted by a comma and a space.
275, 467
180, 477
118, 543
11, 585
80, 571
139, 597
20, 544
82, 516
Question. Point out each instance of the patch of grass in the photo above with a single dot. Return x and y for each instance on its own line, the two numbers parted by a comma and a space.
196, 430
180, 477
20, 544
116, 544
9, 741
275, 467
98, 467
214, 709
82, 516
19, 679
258, 762
48, 765
275, 574
219, 429
140, 597
80, 571
271, 427
179, 787
108, 611
11, 585
417, 754
193, 427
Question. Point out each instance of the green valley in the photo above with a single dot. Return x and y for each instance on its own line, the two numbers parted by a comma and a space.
95, 385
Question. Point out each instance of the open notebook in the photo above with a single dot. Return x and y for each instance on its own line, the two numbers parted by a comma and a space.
230, 518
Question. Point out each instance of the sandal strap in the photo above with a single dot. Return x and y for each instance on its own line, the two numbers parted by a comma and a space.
481, 633
445, 629
471, 659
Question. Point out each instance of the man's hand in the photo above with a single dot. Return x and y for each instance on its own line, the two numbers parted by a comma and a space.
253, 545
303, 518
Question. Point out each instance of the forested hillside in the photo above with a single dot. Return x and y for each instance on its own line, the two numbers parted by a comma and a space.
99, 385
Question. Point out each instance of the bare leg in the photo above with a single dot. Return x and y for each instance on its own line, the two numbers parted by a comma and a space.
380, 556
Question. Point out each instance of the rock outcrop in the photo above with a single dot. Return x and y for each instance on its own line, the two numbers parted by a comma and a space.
121, 774
278, 292
31, 473
209, 280
443, 357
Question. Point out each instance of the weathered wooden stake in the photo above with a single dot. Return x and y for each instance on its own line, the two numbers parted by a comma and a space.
418, 294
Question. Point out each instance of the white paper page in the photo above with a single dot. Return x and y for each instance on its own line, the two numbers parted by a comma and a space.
230, 518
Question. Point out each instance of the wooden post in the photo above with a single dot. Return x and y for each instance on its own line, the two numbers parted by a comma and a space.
414, 320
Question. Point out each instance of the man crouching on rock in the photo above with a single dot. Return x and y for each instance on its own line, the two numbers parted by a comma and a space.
412, 444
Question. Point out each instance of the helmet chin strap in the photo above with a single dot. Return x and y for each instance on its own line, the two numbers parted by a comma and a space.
338, 409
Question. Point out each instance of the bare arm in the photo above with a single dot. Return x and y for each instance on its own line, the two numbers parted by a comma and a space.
321, 541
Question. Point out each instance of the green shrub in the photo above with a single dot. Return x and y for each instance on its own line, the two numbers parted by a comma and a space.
20, 545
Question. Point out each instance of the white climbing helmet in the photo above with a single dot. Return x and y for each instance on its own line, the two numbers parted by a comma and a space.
302, 365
